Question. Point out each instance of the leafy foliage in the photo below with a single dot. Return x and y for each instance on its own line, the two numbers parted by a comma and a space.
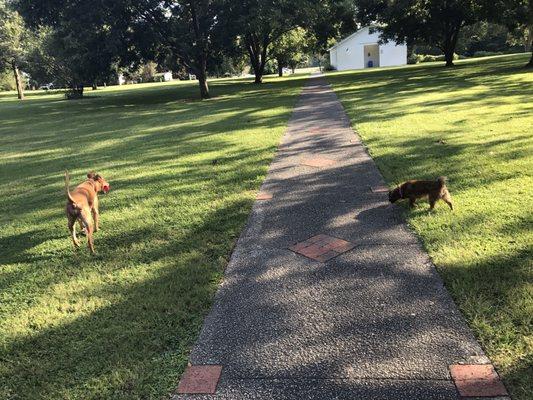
432, 22
290, 49
85, 40
333, 19
13, 35
488, 37
517, 15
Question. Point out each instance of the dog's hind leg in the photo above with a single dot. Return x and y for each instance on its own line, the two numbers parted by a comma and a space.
447, 198
87, 224
72, 229
90, 241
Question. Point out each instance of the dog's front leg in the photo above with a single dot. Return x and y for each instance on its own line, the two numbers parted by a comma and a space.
95, 214
447, 199
96, 218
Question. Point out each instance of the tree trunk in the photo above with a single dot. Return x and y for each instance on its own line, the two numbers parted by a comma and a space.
280, 68
204, 89
257, 50
201, 75
95, 86
450, 42
262, 63
448, 55
75, 92
20, 89
530, 63
258, 77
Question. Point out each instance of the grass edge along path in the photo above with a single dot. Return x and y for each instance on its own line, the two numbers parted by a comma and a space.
471, 123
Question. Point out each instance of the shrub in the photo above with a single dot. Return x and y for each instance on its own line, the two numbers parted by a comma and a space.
74, 93
422, 58
483, 53
7, 82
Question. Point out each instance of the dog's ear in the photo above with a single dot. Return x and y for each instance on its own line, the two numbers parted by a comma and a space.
90, 175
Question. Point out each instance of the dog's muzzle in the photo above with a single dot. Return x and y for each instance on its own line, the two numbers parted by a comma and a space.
105, 188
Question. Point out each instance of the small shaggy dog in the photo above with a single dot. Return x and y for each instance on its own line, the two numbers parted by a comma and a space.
82, 206
414, 190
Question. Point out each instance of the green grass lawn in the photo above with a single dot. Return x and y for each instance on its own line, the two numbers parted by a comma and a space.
474, 124
119, 325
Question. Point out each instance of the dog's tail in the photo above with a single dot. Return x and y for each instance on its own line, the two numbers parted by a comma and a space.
442, 180
67, 190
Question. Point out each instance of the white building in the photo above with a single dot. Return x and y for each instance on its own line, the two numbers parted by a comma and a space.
363, 50
163, 77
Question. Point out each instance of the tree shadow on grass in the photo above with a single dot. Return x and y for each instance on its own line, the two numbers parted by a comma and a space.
141, 339
489, 83
152, 280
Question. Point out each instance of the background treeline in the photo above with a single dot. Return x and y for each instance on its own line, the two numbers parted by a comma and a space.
78, 44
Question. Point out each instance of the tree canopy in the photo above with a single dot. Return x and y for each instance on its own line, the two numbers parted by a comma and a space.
86, 40
517, 15
82, 43
14, 39
290, 49
432, 22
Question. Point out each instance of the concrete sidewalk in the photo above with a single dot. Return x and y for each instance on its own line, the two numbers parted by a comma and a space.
375, 322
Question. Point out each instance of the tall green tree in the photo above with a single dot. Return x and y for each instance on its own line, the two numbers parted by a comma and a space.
431, 22
189, 34
92, 38
517, 15
13, 35
334, 19
86, 40
258, 24
290, 49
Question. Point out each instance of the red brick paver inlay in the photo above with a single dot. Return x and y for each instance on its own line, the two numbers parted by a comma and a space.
264, 196
318, 162
200, 379
479, 380
322, 247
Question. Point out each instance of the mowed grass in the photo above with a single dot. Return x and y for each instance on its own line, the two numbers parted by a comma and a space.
474, 124
183, 177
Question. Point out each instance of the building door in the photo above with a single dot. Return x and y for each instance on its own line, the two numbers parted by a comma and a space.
371, 55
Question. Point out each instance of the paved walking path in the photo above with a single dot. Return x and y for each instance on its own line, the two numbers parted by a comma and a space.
375, 322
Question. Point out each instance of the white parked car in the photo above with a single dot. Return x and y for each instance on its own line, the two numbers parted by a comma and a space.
47, 86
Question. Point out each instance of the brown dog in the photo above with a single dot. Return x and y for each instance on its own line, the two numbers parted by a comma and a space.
82, 206
414, 190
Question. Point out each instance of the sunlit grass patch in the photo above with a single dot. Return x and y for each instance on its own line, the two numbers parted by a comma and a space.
474, 124
119, 325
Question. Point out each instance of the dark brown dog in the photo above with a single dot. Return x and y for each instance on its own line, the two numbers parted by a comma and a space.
82, 206
413, 190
